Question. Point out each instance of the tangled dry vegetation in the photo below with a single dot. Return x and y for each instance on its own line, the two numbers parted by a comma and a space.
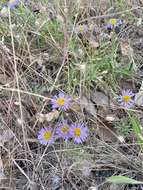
42, 55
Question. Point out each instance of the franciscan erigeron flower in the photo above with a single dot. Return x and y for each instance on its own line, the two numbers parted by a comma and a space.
63, 130
46, 136
81, 29
62, 102
13, 3
79, 133
113, 23
126, 99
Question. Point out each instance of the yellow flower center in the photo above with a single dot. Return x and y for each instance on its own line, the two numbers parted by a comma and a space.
61, 101
81, 28
77, 132
126, 98
65, 129
113, 21
47, 135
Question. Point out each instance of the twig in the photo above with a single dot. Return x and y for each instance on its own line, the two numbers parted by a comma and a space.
24, 92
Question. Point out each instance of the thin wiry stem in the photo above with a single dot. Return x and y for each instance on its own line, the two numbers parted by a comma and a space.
17, 78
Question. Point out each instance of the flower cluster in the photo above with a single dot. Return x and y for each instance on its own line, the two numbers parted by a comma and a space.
85, 28
76, 131
112, 24
127, 99
10, 5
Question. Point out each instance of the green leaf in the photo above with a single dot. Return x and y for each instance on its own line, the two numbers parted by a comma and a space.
137, 129
122, 180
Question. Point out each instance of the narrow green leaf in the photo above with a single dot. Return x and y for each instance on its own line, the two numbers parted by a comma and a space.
137, 130
122, 180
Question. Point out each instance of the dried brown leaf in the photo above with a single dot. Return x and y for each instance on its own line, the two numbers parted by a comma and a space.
126, 49
88, 106
52, 115
75, 107
5, 136
100, 98
47, 117
94, 44
86, 166
40, 117
110, 118
106, 134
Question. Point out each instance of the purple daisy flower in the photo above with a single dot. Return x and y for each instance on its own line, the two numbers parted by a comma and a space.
127, 99
79, 132
62, 102
45, 136
63, 130
113, 23
13, 3
81, 29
